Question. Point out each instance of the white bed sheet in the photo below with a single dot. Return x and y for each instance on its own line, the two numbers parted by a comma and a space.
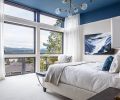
90, 77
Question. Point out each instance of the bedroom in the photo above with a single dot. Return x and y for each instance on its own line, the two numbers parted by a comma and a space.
47, 38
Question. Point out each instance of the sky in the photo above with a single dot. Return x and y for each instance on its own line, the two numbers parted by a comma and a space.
17, 12
22, 37
44, 37
18, 36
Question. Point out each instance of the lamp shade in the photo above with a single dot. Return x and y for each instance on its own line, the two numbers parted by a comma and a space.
115, 29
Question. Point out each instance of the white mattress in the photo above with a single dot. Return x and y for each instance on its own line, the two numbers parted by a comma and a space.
90, 77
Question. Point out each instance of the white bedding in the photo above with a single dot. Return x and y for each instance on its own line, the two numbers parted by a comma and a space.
89, 77
55, 71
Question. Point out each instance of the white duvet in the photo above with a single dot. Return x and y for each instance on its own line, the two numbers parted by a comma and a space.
90, 77
55, 71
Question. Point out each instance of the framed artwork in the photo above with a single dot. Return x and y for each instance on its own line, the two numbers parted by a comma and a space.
98, 44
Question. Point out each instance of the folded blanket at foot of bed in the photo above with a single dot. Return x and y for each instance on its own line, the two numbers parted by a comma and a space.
55, 71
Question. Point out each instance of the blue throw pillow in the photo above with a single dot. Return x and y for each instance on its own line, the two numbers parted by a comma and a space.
107, 63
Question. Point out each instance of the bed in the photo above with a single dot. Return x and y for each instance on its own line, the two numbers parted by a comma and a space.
80, 80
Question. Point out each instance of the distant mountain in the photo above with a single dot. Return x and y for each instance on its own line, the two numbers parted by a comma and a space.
9, 50
43, 50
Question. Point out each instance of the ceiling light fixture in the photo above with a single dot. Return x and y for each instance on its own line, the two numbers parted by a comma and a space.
73, 9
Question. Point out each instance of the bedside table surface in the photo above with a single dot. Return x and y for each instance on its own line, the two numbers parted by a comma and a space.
107, 94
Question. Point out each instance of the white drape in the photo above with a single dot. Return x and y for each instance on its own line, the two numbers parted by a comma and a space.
2, 68
72, 37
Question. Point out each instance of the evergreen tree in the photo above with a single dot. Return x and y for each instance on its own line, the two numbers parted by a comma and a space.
54, 44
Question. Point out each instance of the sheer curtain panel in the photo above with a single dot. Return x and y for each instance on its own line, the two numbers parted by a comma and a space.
72, 37
2, 66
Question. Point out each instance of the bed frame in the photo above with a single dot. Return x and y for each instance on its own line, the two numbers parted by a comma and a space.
72, 92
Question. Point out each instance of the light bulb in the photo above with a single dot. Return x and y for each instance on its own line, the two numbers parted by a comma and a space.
83, 6
58, 11
75, 10
65, 1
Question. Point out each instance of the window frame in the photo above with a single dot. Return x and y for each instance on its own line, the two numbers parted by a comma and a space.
62, 41
36, 55
34, 38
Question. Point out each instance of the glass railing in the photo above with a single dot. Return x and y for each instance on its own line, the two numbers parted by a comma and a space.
45, 61
19, 66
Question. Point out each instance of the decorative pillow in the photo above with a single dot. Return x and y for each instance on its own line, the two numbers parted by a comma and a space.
64, 59
115, 66
107, 63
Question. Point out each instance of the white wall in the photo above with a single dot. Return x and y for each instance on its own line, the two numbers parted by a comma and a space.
115, 24
103, 26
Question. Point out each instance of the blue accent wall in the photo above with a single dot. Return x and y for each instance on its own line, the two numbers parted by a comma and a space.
100, 14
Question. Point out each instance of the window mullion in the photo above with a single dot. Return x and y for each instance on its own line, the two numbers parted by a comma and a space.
37, 49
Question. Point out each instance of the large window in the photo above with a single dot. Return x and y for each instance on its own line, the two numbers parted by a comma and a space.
51, 42
18, 39
50, 20
18, 66
18, 12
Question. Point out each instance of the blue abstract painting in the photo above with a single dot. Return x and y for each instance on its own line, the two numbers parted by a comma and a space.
98, 44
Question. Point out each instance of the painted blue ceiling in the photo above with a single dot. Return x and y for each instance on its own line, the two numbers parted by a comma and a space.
49, 6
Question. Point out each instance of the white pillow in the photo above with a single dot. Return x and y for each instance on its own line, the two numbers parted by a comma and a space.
64, 59
115, 66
